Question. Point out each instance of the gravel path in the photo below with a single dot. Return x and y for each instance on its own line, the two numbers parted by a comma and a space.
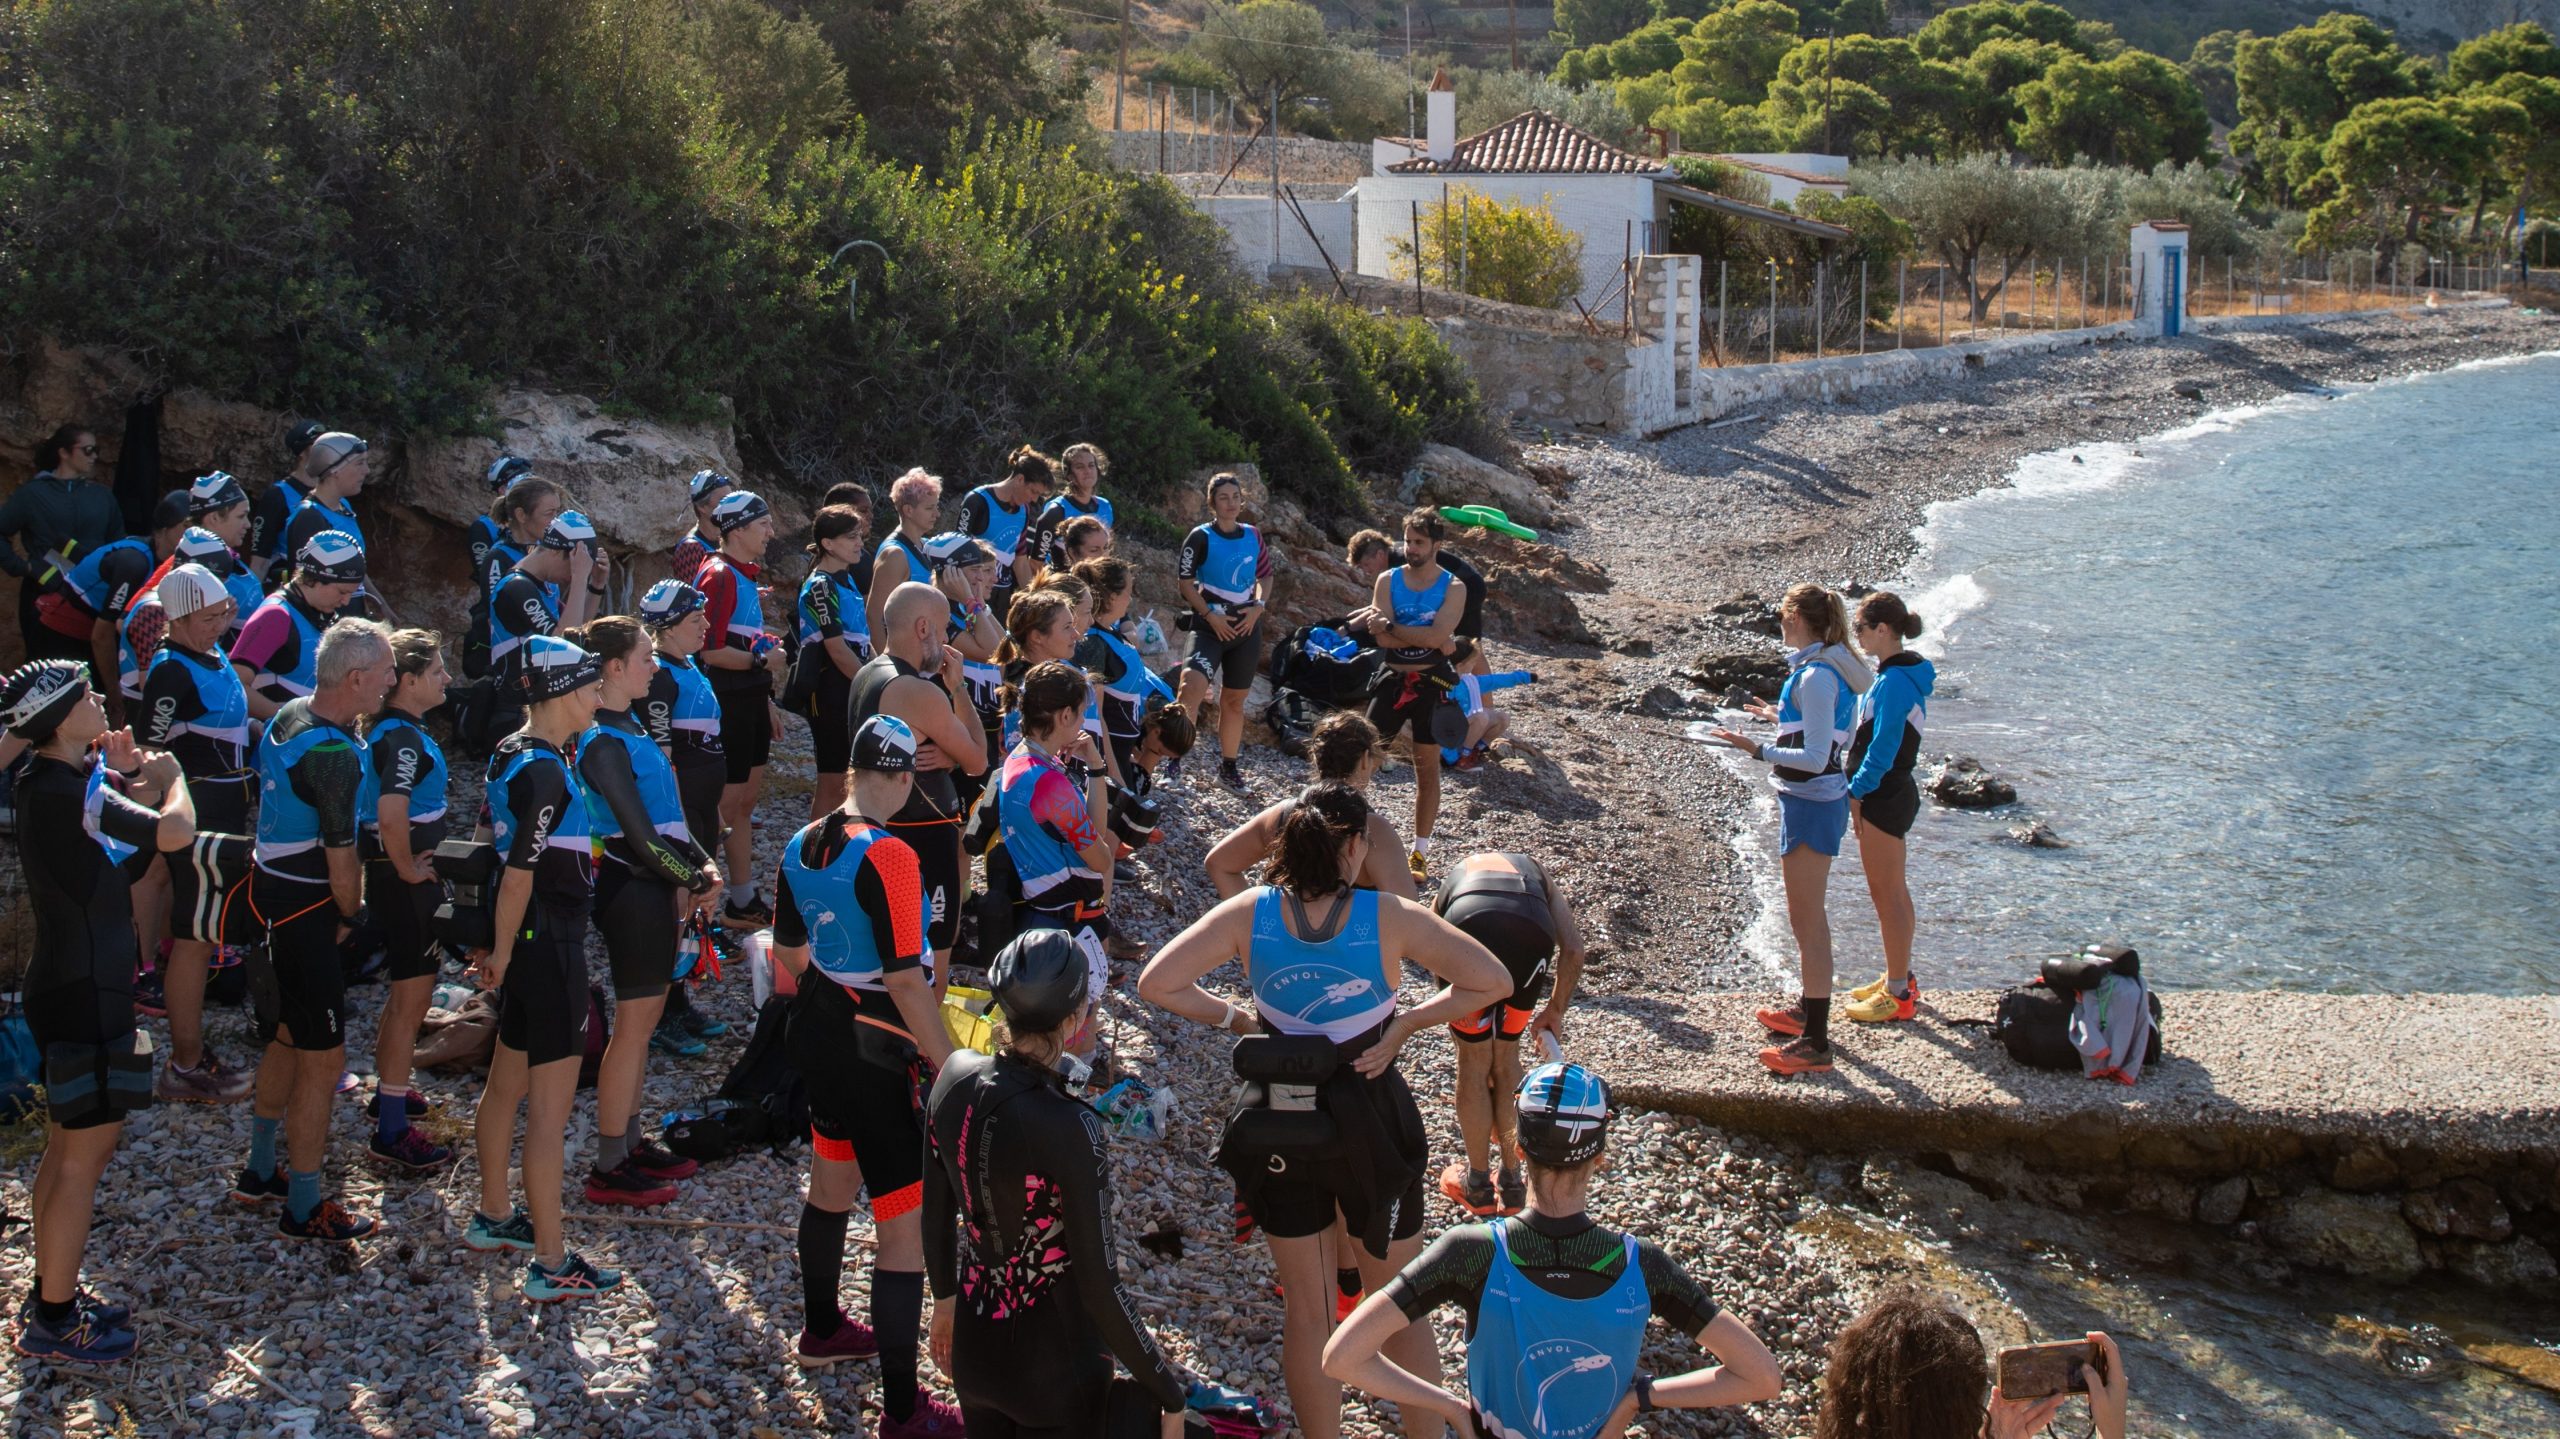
410, 1334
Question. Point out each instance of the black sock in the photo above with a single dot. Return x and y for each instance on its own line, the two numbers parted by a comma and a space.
822, 1267
56, 1317
1347, 1280
1817, 1020
897, 1312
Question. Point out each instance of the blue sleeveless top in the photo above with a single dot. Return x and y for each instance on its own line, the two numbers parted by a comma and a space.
841, 943
1005, 525
1339, 989
287, 824
568, 828
1828, 782
91, 586
426, 792
919, 569
306, 651
650, 769
1546, 1367
1227, 570
339, 519
1417, 609
225, 721
849, 611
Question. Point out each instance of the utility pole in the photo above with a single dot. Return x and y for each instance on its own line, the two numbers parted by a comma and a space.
1513, 7
1120, 82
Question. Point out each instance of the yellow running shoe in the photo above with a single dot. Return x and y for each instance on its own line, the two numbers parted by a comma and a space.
1873, 986
1882, 1007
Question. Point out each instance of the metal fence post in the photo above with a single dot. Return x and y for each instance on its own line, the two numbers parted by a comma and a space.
1821, 318
1721, 266
1901, 297
1773, 312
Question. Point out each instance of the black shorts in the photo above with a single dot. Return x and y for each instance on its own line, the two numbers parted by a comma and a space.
636, 915
866, 1090
746, 731
1232, 663
1306, 1204
223, 806
208, 889
1894, 807
944, 871
1406, 702
299, 989
407, 914
542, 1003
85, 1013
831, 727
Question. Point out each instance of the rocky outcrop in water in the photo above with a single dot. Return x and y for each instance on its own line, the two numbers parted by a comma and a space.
1962, 783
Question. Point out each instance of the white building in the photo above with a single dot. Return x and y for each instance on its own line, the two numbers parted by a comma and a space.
1616, 200
1790, 175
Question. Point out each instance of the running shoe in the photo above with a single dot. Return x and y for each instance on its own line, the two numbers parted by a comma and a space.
150, 995
1473, 759
1797, 1056
491, 1235
1343, 1304
1882, 1007
1122, 948
574, 1279
1244, 1221
754, 914
933, 1419
1514, 1191
669, 1038
850, 1341
412, 1151
248, 1188
697, 1023
1789, 1020
659, 1162
1873, 986
330, 1222
1466, 1192
1229, 775
113, 1316
85, 1340
210, 1082
419, 1105
625, 1183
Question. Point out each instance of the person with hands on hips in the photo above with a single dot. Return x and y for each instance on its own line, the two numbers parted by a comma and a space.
1322, 960
538, 965
851, 917
1555, 1304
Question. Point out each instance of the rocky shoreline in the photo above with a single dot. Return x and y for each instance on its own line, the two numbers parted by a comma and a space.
411, 1334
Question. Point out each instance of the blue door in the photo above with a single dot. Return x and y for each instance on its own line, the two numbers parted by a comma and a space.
2173, 302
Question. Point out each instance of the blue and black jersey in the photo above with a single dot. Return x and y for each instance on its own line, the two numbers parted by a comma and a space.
313, 781
1225, 566
409, 763
538, 808
195, 707
633, 809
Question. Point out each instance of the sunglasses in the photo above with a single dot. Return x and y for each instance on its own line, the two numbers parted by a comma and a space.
90, 450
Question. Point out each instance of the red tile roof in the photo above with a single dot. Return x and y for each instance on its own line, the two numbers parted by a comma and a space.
1533, 142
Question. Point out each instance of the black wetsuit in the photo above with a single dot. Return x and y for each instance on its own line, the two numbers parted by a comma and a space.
79, 980
1017, 1206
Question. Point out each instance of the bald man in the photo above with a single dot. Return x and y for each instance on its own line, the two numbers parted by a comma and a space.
917, 678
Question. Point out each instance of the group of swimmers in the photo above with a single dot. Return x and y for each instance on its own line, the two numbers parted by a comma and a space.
977, 670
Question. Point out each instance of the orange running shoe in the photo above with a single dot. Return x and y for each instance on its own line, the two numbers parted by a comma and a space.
1797, 1056
1478, 1201
1789, 1020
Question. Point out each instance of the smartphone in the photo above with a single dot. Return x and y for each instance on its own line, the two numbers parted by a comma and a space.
2036, 1371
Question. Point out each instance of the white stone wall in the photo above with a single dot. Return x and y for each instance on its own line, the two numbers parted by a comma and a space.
1595, 207
1247, 219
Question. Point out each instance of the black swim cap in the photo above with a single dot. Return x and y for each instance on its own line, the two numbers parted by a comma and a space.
1041, 979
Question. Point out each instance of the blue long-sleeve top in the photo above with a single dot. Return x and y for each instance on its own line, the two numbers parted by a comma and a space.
1891, 716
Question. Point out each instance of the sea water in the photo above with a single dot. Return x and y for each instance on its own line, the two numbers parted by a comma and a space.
2287, 684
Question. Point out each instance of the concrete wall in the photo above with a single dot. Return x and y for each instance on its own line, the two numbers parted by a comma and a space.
1248, 222
1147, 151
1599, 383
1595, 207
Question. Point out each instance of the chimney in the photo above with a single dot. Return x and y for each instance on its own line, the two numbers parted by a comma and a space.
1440, 124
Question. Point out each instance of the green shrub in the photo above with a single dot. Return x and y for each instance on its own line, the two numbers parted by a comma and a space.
1500, 249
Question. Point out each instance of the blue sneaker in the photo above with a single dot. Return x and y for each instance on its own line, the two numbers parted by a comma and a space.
248, 1188
412, 1151
113, 1316
490, 1235
574, 1279
699, 1024
671, 1039
85, 1340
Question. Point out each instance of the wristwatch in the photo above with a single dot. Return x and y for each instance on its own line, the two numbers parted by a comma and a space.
1644, 1393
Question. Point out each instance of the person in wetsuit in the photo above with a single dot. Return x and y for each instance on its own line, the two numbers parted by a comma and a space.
1555, 1305
1884, 799
1224, 574
1509, 904
866, 1036
494, 551
402, 889
537, 809
934, 703
1019, 1244
650, 872
279, 647
1814, 719
194, 706
92, 807
1322, 958
683, 716
315, 783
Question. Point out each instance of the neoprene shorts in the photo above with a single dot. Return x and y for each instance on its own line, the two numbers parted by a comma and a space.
542, 1003
636, 917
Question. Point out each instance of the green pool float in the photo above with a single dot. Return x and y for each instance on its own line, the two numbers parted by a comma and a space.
1488, 518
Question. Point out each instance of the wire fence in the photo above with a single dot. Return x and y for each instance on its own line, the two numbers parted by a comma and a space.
1772, 312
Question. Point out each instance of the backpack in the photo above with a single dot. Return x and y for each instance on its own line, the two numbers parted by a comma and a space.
762, 1103
2034, 1025
1335, 684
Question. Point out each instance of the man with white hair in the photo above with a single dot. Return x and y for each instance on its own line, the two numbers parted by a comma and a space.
308, 893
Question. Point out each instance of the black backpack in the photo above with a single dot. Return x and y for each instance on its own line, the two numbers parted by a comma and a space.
2034, 1025
1335, 684
763, 1102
